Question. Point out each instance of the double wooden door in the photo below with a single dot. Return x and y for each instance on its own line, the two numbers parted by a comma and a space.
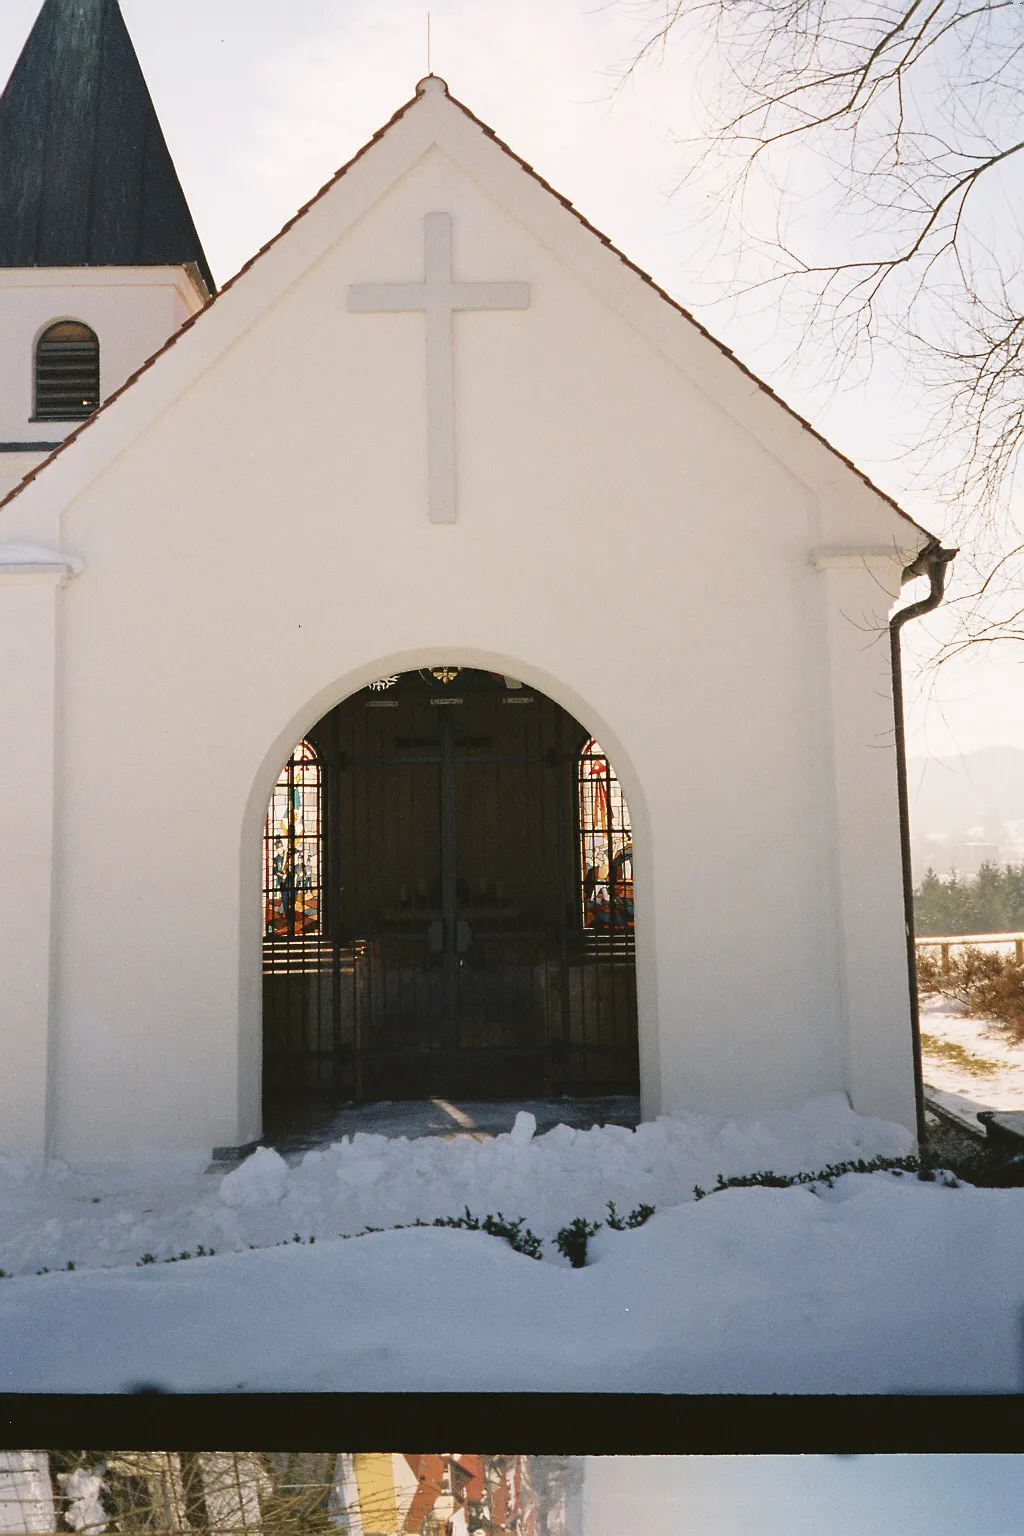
450, 955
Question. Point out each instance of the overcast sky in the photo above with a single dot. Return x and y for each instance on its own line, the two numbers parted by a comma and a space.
262, 100
803, 1495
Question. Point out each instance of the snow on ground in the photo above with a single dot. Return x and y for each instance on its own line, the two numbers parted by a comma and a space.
995, 1078
115, 1218
881, 1284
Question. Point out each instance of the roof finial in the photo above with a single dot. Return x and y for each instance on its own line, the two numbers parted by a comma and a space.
431, 84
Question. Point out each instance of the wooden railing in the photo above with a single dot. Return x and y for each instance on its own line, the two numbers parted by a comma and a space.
960, 940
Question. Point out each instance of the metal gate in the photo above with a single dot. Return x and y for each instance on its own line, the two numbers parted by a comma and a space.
448, 899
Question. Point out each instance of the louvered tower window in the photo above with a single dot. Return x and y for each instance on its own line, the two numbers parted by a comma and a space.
67, 372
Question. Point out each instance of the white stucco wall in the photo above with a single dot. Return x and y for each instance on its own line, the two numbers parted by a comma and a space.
256, 547
133, 310
28, 640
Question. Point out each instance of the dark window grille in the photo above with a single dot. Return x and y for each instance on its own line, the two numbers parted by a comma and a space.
67, 372
606, 845
291, 849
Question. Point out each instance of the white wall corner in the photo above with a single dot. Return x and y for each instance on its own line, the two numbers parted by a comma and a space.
834, 557
869, 863
36, 564
28, 665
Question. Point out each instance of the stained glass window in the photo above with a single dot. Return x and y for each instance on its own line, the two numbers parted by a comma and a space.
606, 845
291, 849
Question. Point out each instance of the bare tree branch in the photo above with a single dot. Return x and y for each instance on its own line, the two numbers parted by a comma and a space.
905, 119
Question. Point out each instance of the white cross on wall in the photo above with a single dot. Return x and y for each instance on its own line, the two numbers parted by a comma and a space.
439, 296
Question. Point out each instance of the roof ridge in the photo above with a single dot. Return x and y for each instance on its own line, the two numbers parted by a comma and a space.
566, 203
663, 293
187, 324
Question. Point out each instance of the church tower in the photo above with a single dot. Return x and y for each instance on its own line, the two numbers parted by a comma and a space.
99, 258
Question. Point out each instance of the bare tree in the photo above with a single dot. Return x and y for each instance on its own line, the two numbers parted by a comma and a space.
861, 162
235, 1493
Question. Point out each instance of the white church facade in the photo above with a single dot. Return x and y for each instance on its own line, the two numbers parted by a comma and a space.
437, 508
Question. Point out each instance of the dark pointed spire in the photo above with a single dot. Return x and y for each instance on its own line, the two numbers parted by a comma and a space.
86, 178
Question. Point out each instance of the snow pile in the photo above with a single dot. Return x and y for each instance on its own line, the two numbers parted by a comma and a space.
367, 1180
857, 1288
260, 1180
524, 1129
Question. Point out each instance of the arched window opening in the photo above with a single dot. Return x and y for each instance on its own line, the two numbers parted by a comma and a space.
448, 903
67, 384
291, 849
606, 845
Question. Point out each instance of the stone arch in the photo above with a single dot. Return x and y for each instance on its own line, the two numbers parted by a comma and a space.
303, 723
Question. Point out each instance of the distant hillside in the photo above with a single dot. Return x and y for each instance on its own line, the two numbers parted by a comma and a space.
950, 794
963, 809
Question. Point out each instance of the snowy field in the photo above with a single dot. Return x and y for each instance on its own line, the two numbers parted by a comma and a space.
986, 1072
879, 1284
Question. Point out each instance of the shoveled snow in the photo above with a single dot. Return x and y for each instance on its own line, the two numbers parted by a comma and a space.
855, 1289
261, 1180
524, 1129
370, 1180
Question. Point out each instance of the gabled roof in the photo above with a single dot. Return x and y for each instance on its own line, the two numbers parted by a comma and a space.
432, 88
86, 178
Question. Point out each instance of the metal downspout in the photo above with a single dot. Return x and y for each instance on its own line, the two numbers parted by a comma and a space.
932, 561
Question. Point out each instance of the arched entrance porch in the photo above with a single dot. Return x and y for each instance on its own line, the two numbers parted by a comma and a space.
447, 879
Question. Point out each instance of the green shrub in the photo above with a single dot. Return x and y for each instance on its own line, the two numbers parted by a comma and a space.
966, 968
571, 1241
929, 975
1000, 996
989, 984
636, 1217
972, 968
766, 1178
514, 1233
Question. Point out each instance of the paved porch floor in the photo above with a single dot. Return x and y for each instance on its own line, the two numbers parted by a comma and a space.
477, 1118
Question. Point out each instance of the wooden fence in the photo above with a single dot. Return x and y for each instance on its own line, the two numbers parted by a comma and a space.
960, 940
